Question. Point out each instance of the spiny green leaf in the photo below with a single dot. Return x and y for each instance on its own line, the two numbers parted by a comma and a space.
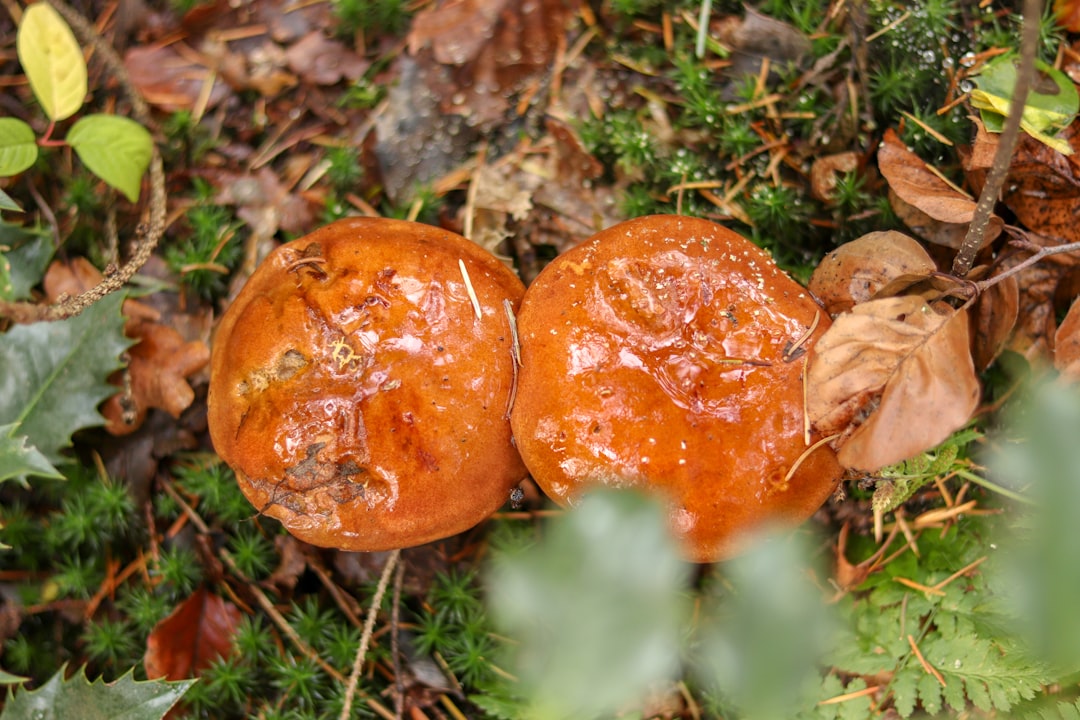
28, 251
53, 61
53, 374
18, 459
6, 203
7, 678
116, 149
77, 697
18, 147
596, 608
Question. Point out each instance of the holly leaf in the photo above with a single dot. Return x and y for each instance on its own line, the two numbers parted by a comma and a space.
77, 697
53, 374
6, 203
28, 252
19, 459
53, 61
116, 149
18, 147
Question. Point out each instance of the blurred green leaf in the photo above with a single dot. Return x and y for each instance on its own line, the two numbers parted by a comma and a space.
116, 149
18, 146
596, 609
1042, 575
765, 635
6, 203
53, 374
77, 697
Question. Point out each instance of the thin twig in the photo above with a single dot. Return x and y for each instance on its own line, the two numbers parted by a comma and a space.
365, 638
1010, 134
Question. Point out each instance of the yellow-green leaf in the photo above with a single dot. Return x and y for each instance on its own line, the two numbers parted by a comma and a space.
116, 149
53, 61
18, 148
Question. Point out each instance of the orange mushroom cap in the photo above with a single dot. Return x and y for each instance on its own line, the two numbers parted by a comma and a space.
361, 382
667, 353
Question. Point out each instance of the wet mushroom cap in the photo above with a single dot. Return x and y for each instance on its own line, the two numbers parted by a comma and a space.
361, 382
667, 353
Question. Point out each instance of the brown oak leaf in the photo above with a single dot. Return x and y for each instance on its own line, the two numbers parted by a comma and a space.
1043, 187
893, 377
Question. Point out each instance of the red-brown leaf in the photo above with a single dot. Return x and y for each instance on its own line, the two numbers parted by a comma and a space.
894, 377
1067, 344
199, 631
1043, 187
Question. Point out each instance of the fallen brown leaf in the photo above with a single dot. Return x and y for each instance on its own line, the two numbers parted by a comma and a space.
1043, 187
318, 59
893, 377
858, 270
1067, 344
912, 182
173, 81
993, 318
199, 631
826, 171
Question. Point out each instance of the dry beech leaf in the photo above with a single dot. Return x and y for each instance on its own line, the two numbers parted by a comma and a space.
199, 631
1067, 344
858, 270
826, 171
170, 80
1043, 186
911, 180
894, 377
1040, 296
993, 319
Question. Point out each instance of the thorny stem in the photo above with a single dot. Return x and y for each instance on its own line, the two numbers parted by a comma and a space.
148, 233
1010, 134
365, 638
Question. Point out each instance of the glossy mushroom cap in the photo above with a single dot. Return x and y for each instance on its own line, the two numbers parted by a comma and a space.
667, 353
361, 391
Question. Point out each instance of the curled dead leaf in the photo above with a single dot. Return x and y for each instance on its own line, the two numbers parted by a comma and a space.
858, 270
893, 377
826, 170
922, 196
1067, 344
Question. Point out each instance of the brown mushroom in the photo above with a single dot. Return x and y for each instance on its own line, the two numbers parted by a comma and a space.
361, 382
667, 353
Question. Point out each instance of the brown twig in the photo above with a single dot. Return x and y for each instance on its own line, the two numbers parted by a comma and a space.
147, 234
1010, 134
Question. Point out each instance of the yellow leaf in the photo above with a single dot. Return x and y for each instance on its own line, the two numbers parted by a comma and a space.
53, 61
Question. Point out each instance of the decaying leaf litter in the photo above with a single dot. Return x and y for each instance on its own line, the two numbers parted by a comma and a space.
529, 128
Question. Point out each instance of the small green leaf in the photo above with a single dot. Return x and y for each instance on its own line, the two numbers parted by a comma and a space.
77, 697
116, 149
1051, 105
7, 678
7, 290
18, 147
53, 61
597, 607
18, 459
53, 374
